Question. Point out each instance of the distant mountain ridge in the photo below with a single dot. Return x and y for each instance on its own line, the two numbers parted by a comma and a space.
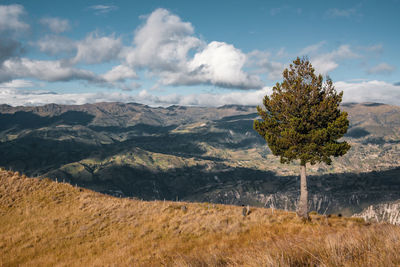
198, 153
129, 114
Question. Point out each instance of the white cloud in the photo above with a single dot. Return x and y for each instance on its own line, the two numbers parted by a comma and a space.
56, 25
324, 63
382, 68
17, 84
218, 64
162, 43
103, 9
56, 45
16, 97
119, 73
19, 97
312, 49
55, 71
251, 97
162, 46
261, 60
43, 70
369, 91
95, 49
366, 91
10, 18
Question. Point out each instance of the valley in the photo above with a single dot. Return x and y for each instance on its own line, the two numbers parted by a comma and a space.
198, 154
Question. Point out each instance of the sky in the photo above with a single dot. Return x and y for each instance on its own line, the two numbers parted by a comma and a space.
206, 53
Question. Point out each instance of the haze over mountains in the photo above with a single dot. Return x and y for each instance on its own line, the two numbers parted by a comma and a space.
198, 154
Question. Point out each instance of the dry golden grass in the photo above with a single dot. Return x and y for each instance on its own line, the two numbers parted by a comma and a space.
43, 223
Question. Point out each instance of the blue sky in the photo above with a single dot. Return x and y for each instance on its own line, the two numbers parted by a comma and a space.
193, 52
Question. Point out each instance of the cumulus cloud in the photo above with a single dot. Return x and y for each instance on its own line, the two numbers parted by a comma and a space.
56, 71
93, 49
324, 63
10, 18
97, 49
18, 97
369, 91
9, 48
366, 91
12, 94
18, 83
261, 60
222, 64
119, 73
164, 46
56, 25
382, 68
312, 49
103, 9
162, 43
251, 97
56, 45
44, 70
216, 63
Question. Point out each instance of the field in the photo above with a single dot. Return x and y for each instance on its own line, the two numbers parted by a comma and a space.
45, 223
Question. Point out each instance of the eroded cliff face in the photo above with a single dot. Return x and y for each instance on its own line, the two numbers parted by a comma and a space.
328, 194
384, 212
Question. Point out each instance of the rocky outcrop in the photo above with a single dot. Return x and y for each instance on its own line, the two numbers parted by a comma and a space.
384, 212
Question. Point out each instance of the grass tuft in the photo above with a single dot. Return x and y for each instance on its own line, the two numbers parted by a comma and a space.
44, 223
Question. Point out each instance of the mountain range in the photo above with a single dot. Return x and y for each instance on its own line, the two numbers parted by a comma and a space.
198, 154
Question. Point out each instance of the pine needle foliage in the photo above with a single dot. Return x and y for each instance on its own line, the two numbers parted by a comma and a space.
302, 119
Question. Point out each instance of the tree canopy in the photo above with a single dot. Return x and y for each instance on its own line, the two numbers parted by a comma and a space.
302, 119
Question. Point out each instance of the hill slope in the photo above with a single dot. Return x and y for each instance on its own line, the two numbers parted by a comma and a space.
198, 154
44, 223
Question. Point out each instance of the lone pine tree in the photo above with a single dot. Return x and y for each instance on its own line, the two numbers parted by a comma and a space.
302, 121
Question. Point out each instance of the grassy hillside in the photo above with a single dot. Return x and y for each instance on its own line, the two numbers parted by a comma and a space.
44, 223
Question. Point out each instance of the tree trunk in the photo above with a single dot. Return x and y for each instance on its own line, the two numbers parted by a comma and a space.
302, 208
